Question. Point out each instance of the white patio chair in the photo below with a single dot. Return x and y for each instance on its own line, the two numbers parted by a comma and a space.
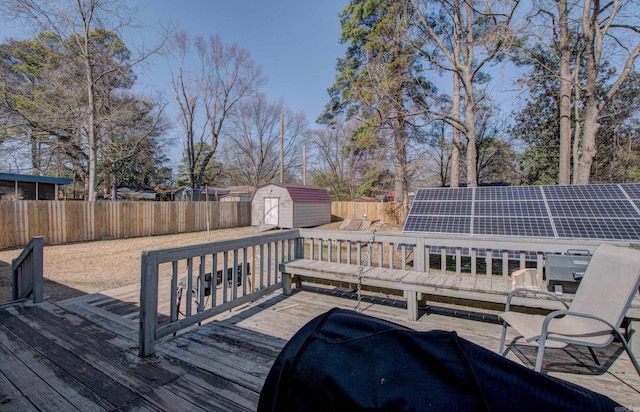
594, 317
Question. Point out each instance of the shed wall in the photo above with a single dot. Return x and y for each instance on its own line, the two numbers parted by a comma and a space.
306, 214
285, 206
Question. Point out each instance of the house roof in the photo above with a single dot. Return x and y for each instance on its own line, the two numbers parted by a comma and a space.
245, 189
35, 179
365, 199
300, 193
210, 190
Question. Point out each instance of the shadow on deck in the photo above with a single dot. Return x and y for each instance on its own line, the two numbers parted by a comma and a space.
82, 353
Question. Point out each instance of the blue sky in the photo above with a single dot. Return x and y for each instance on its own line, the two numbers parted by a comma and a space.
295, 42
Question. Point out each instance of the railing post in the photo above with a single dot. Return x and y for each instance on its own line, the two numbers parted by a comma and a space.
539, 267
299, 248
148, 304
26, 271
505, 264
37, 267
418, 256
489, 260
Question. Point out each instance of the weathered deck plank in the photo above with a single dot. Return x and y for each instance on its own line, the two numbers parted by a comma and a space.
221, 365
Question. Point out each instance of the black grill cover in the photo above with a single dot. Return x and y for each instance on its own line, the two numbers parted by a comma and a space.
346, 361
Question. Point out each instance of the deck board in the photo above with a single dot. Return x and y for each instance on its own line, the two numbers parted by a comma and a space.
222, 364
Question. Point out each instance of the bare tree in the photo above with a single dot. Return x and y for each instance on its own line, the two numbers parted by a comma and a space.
599, 24
207, 92
338, 166
596, 44
481, 33
74, 24
252, 142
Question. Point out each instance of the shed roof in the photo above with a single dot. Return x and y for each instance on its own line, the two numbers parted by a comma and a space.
300, 193
35, 179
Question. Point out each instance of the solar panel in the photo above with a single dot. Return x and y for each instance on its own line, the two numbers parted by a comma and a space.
443, 193
509, 193
604, 229
512, 226
592, 208
438, 224
583, 192
632, 190
534, 208
441, 208
598, 211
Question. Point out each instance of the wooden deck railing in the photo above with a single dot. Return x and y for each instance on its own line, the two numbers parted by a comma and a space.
235, 283
26, 271
476, 256
208, 279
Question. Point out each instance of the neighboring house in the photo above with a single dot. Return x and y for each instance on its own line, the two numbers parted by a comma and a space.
390, 196
238, 194
136, 193
28, 187
186, 193
290, 206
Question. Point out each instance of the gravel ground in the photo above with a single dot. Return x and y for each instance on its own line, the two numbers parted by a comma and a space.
78, 268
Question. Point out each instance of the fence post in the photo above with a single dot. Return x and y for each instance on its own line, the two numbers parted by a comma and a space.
148, 304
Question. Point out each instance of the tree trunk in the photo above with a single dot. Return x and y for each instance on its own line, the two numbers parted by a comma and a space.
577, 130
591, 110
91, 105
564, 170
400, 140
455, 151
457, 147
589, 133
469, 97
91, 140
470, 130
36, 154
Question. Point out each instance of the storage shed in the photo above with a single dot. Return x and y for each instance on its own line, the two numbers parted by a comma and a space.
290, 206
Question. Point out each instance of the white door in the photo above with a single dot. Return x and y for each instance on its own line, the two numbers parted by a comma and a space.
271, 211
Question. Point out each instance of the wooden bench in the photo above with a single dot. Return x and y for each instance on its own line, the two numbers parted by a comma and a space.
413, 284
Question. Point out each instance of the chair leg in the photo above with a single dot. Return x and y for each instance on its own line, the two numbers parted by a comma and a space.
627, 348
504, 334
593, 355
178, 303
541, 342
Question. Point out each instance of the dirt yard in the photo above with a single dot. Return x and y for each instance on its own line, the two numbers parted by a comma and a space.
75, 269
79, 268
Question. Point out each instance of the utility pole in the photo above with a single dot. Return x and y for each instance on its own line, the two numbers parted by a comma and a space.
281, 149
304, 165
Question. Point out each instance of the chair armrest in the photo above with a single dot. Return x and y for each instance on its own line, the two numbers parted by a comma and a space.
535, 292
557, 313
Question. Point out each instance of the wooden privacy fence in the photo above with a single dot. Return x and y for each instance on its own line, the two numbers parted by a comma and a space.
75, 221
390, 212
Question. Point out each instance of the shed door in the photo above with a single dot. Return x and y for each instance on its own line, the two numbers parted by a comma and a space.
271, 211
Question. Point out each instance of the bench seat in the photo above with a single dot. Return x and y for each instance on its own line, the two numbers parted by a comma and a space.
413, 284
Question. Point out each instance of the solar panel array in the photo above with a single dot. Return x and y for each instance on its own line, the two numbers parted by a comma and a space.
598, 211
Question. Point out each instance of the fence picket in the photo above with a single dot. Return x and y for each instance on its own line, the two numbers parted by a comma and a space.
76, 221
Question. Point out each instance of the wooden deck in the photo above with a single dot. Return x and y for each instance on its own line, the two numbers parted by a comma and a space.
80, 354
